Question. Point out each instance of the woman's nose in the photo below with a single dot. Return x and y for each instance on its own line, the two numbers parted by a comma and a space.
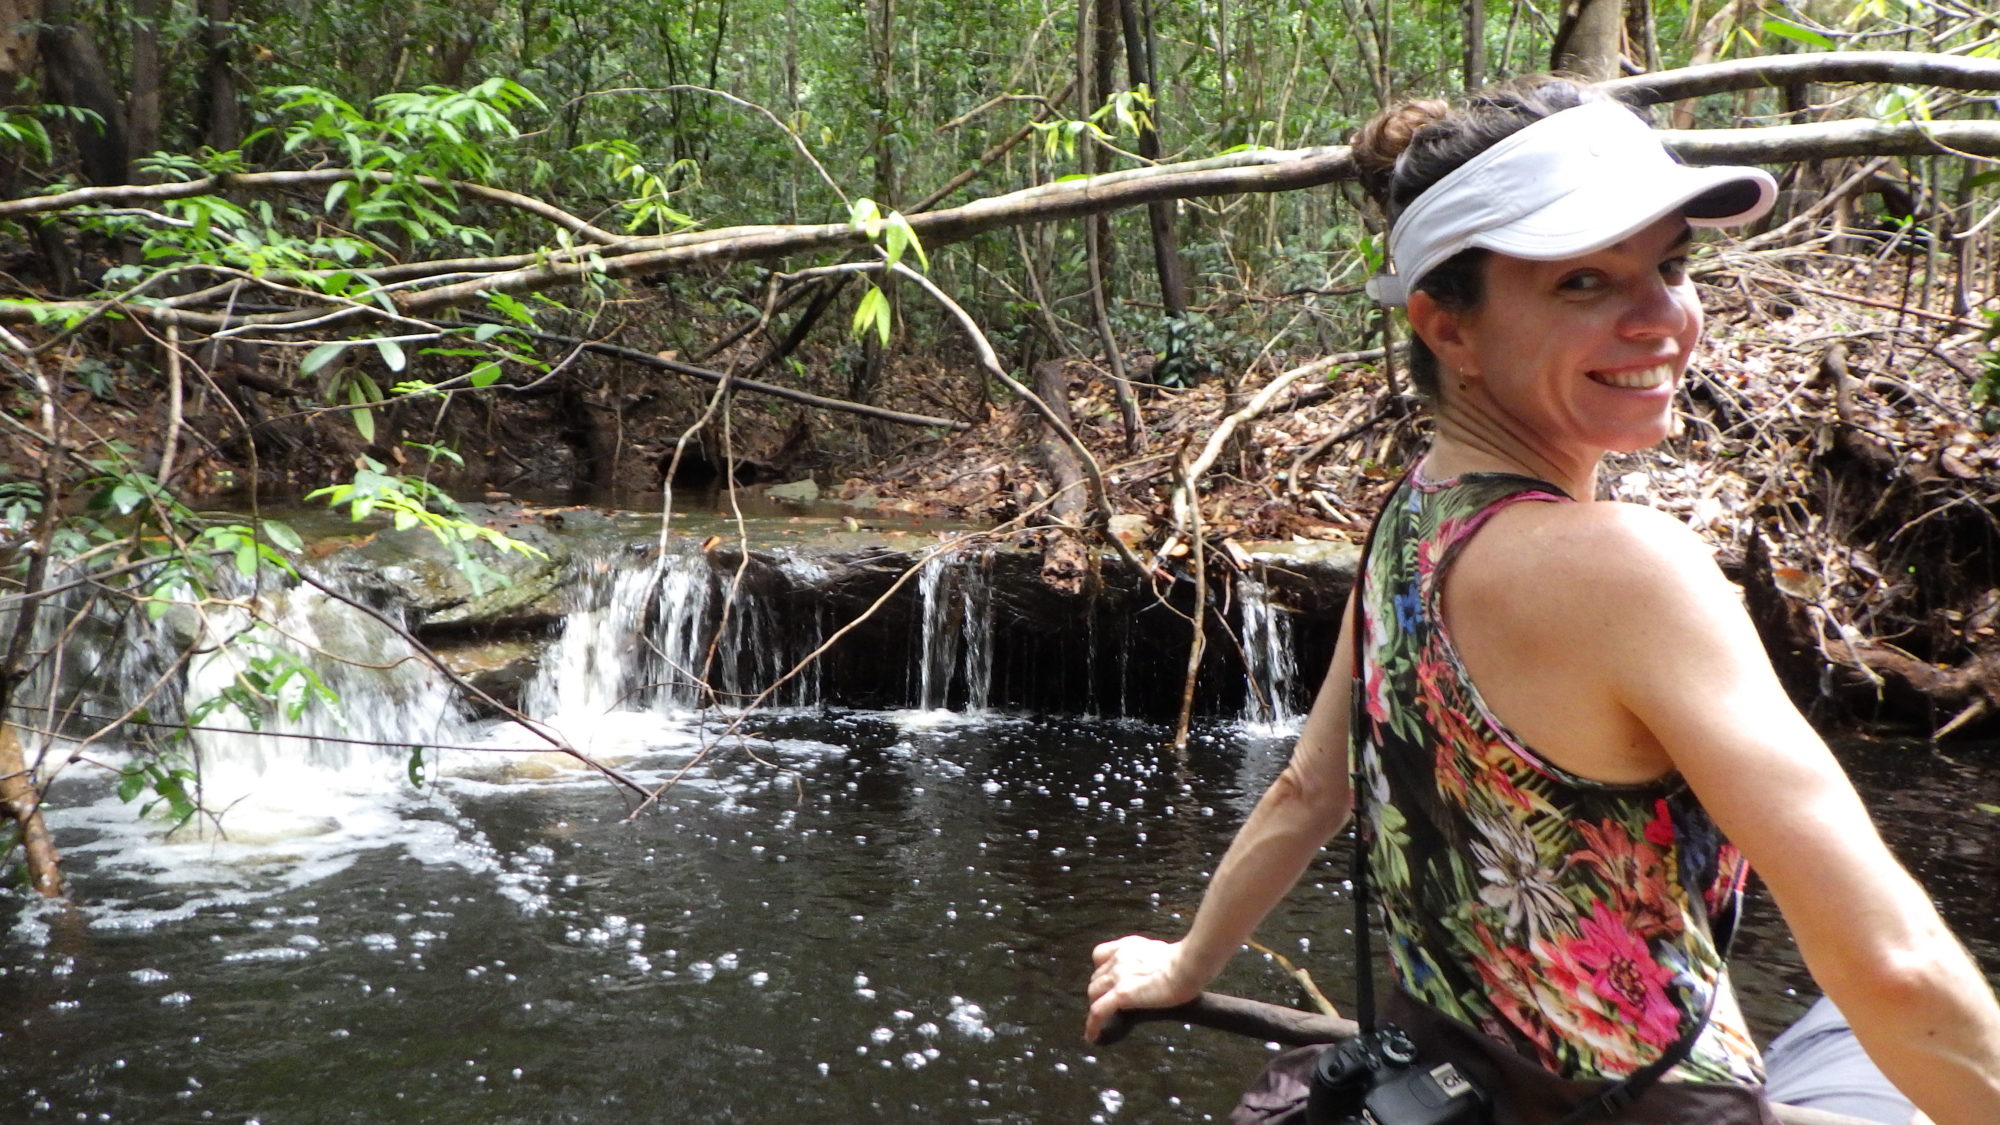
1659, 309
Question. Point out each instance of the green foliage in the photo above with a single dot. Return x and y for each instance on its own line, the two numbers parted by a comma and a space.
647, 209
433, 131
412, 502
161, 781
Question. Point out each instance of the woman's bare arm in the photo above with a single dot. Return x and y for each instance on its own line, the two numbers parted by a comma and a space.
1651, 610
1297, 815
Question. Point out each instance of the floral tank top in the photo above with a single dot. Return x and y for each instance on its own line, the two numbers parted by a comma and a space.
1575, 920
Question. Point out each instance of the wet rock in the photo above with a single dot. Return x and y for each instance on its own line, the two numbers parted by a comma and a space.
798, 492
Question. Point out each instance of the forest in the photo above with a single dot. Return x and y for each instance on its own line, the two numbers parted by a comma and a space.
1085, 273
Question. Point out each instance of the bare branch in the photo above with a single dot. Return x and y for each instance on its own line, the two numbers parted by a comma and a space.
1909, 68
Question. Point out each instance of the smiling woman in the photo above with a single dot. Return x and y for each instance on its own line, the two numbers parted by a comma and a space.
1567, 742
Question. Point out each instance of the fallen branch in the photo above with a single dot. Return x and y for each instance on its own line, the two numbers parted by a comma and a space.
1218, 439
1906, 68
285, 181
806, 398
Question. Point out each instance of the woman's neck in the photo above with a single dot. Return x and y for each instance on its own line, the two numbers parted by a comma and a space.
1474, 443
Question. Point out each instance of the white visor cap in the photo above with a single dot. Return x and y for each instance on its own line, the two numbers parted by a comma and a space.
1572, 183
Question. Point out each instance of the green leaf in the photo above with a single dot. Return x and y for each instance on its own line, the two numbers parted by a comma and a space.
392, 354
484, 375
873, 309
1785, 29
901, 236
246, 560
320, 356
283, 537
364, 418
867, 215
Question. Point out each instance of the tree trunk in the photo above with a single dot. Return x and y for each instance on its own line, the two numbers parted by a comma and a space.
1138, 29
77, 76
143, 104
17, 43
1589, 38
1475, 44
223, 105
1066, 564
22, 800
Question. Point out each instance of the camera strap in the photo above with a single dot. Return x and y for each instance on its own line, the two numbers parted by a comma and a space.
1618, 1095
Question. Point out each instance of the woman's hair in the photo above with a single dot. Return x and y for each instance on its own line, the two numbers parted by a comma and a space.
1410, 146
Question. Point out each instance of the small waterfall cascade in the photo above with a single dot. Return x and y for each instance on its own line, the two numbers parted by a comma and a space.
956, 630
673, 637
287, 692
309, 671
1271, 692
589, 669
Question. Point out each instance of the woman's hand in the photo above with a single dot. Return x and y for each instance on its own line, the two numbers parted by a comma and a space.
1137, 972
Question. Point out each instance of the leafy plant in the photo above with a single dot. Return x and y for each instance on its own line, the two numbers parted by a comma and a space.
412, 502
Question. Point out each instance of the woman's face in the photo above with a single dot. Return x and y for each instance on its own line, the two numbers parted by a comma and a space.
1580, 355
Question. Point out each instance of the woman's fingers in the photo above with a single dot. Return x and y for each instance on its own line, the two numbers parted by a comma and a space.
1131, 972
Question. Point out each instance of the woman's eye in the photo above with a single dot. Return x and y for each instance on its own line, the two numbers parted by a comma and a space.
1581, 282
1674, 270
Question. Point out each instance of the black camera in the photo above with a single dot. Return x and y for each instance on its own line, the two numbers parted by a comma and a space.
1376, 1079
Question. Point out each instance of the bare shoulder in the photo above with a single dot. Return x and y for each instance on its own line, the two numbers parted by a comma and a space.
1620, 558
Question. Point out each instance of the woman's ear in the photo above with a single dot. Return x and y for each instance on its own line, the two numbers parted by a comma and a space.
1443, 329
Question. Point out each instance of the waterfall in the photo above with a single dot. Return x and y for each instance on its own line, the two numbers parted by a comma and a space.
955, 629
288, 695
1270, 670
671, 638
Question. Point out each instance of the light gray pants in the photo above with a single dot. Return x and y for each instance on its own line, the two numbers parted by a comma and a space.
1817, 1063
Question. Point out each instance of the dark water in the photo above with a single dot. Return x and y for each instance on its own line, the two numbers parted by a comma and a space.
841, 920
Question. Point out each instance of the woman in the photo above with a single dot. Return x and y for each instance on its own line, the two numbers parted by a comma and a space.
1566, 711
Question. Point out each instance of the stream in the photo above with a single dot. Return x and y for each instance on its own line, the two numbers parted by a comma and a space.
834, 914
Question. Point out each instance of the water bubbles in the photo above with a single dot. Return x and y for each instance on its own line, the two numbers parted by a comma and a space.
149, 976
881, 1035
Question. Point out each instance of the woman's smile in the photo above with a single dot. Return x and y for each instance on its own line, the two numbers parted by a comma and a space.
1636, 378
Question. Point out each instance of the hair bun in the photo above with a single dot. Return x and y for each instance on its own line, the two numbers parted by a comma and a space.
1385, 137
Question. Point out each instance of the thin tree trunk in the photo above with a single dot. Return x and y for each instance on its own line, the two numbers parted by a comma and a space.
1475, 44
224, 130
22, 800
143, 102
1137, 25
1588, 40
